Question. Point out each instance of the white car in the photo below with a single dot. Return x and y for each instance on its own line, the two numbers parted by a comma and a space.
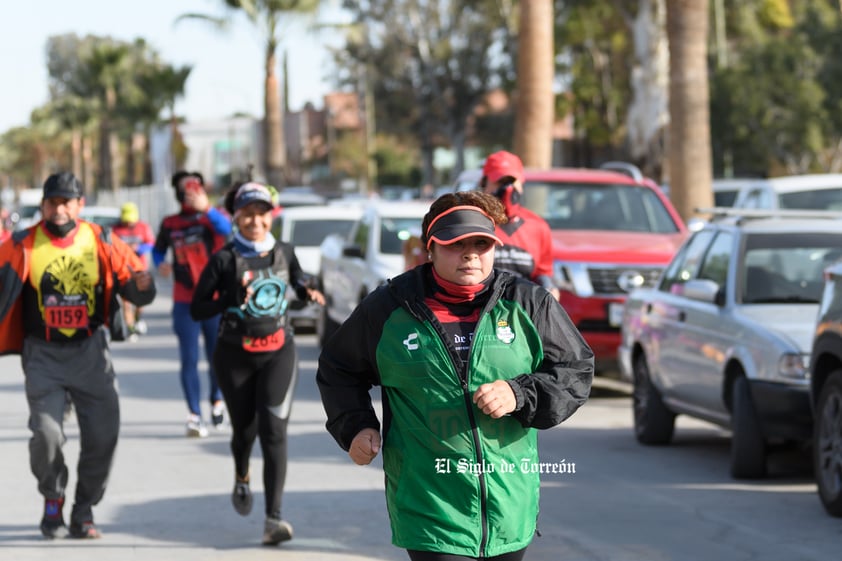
102, 215
819, 191
306, 227
725, 335
371, 254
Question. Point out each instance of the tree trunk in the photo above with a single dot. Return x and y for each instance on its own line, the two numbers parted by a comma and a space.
107, 144
116, 161
104, 168
88, 166
534, 109
689, 146
76, 152
273, 124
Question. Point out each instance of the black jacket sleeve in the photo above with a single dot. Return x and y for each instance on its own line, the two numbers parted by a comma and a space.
297, 277
209, 294
563, 381
347, 372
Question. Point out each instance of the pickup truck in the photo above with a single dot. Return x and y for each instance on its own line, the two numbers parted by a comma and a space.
371, 253
613, 230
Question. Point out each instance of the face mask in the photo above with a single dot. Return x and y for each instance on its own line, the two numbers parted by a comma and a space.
509, 196
60, 230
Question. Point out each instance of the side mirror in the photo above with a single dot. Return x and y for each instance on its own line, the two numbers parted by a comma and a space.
352, 250
703, 290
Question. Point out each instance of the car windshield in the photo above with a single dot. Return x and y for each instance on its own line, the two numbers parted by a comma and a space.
101, 219
724, 198
313, 232
816, 199
787, 267
395, 231
572, 206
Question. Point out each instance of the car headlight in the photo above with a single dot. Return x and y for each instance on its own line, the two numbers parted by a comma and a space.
794, 366
573, 277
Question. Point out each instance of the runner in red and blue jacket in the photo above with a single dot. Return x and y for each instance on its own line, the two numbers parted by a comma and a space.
193, 235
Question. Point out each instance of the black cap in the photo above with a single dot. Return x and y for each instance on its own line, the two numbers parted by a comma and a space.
64, 185
458, 223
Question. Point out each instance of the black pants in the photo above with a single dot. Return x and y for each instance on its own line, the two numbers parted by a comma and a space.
432, 556
258, 389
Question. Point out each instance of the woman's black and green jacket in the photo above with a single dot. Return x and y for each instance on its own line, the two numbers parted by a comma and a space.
457, 481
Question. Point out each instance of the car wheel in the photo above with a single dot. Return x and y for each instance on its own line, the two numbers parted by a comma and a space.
654, 423
325, 326
827, 444
748, 447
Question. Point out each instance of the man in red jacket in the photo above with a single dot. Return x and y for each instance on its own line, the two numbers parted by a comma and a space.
528, 243
139, 236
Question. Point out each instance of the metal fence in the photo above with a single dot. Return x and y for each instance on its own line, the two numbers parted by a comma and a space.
154, 202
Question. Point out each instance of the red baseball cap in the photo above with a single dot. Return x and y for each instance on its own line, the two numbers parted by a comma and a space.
502, 164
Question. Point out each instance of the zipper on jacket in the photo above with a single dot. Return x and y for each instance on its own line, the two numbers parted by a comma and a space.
424, 313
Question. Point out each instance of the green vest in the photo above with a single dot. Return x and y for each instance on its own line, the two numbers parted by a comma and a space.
458, 481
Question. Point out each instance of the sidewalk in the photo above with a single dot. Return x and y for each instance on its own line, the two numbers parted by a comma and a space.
169, 495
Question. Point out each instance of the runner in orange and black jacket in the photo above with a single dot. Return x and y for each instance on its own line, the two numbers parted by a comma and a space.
57, 279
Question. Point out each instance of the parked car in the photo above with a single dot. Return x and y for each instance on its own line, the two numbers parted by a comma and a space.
820, 191
102, 215
725, 336
299, 196
613, 230
306, 227
727, 191
826, 393
372, 253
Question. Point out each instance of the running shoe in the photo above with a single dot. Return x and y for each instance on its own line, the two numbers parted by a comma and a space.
140, 327
195, 427
276, 531
241, 497
218, 415
52, 523
86, 530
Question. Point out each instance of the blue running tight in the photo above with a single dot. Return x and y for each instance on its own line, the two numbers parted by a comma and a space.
187, 330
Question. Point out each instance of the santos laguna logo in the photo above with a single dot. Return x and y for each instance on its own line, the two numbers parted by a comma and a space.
629, 280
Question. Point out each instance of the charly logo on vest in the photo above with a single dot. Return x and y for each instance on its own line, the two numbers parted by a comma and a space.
410, 342
504, 332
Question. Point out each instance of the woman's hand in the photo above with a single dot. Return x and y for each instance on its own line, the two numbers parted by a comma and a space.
364, 447
496, 399
316, 296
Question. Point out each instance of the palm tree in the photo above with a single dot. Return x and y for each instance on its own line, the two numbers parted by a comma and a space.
75, 115
109, 66
164, 84
689, 157
534, 107
266, 16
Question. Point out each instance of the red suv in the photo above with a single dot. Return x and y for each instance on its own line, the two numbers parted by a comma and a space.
613, 230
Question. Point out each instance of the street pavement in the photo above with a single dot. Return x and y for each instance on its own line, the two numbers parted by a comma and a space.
169, 495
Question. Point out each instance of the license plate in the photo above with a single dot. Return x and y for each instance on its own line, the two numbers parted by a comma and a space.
615, 314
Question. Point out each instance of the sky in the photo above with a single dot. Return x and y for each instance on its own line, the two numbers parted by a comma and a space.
227, 75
